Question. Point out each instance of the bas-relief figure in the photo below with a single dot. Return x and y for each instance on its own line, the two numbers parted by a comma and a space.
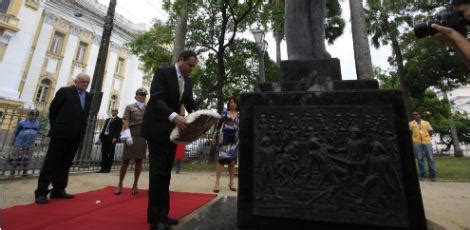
305, 29
302, 169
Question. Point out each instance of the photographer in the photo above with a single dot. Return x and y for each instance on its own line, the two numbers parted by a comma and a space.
454, 38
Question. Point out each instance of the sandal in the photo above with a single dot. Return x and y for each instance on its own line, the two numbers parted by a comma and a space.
118, 191
232, 188
216, 189
135, 191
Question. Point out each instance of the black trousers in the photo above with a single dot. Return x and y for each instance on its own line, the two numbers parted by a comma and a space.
56, 166
161, 158
108, 149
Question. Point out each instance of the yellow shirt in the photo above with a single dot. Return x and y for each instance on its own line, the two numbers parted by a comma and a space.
420, 132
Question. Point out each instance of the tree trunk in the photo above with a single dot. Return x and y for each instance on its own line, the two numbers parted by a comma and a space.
278, 33
401, 75
220, 74
453, 130
277, 38
393, 32
220, 57
180, 31
361, 44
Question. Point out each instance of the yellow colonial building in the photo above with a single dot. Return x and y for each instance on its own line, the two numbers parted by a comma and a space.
44, 44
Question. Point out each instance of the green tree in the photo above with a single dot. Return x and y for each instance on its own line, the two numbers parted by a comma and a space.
179, 11
383, 18
240, 73
272, 16
180, 31
334, 23
213, 30
151, 46
387, 80
428, 65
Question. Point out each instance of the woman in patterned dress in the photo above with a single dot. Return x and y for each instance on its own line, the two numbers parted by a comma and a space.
228, 147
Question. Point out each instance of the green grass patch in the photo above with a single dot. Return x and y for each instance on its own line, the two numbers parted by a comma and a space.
448, 168
453, 169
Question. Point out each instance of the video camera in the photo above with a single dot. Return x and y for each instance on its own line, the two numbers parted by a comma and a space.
447, 17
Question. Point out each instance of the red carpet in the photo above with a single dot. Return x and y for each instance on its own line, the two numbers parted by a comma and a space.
96, 210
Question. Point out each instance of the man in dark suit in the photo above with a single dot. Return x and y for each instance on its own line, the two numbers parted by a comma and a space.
171, 90
108, 137
68, 114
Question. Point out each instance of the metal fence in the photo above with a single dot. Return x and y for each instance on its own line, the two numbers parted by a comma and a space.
16, 161
199, 150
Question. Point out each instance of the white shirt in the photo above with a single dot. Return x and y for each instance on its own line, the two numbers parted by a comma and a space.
178, 75
140, 105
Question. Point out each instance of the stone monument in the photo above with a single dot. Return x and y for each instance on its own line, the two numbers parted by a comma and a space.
305, 29
324, 153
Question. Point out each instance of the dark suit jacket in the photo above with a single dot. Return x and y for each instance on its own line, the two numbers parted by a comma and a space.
164, 100
67, 118
114, 128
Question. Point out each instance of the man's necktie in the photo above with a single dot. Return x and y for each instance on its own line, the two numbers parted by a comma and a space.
181, 86
106, 132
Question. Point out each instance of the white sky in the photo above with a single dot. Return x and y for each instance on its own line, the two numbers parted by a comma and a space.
144, 11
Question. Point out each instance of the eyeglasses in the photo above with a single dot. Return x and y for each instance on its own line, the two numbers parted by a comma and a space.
415, 114
142, 94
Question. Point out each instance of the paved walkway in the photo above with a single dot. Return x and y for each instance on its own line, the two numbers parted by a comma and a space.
447, 204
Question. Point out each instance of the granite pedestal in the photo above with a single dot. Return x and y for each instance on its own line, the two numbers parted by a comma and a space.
332, 155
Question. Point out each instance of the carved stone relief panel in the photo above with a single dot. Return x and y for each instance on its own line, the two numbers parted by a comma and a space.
328, 163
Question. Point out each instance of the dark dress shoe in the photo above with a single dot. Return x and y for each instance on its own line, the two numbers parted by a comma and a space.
40, 198
61, 195
160, 226
172, 221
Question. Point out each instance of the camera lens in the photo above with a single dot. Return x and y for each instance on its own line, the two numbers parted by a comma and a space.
421, 29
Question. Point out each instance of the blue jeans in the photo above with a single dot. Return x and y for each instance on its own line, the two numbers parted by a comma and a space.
421, 151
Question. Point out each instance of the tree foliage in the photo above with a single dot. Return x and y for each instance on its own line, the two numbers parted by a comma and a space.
213, 31
240, 73
152, 46
429, 65
384, 18
425, 67
334, 23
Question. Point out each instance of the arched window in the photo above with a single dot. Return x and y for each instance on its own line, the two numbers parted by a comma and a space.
43, 91
112, 103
